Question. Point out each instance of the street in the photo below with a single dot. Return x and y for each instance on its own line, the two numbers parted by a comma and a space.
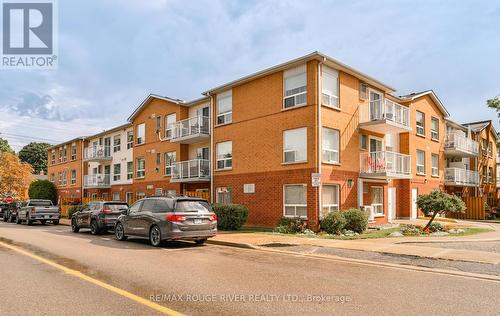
213, 280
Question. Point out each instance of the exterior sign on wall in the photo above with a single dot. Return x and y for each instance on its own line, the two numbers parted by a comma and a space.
316, 179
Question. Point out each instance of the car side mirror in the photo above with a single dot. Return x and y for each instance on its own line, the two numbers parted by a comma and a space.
124, 212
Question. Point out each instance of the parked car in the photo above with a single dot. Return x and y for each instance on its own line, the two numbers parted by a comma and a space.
98, 216
10, 214
168, 218
38, 210
3, 210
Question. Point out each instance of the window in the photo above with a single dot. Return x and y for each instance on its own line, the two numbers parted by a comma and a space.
52, 178
73, 177
60, 154
224, 155
130, 170
65, 153
295, 200
169, 124
117, 170
295, 87
420, 123
363, 142
420, 162
377, 200
202, 153
170, 159
330, 199
224, 195
140, 168
330, 145
225, 107
490, 174
53, 157
116, 196
434, 128
484, 171
204, 111
65, 177
59, 178
158, 159
158, 123
490, 149
295, 145
140, 137
363, 91
73, 151
158, 191
130, 139
330, 95
435, 165
117, 143
485, 146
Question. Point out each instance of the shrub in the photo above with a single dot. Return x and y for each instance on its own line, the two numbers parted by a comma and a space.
410, 230
356, 220
438, 202
291, 225
334, 223
75, 208
43, 189
230, 216
436, 227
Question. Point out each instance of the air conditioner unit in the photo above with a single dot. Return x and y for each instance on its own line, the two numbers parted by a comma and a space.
290, 155
369, 210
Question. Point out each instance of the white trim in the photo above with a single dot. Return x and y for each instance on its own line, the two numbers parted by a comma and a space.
294, 205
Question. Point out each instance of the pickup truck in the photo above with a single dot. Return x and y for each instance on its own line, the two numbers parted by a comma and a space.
38, 210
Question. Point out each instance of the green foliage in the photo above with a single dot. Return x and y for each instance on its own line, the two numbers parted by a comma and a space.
440, 202
436, 227
43, 189
291, 225
36, 155
494, 104
76, 208
333, 223
230, 216
4, 146
356, 220
410, 230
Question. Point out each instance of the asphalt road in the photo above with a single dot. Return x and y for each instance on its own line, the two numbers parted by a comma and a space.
216, 280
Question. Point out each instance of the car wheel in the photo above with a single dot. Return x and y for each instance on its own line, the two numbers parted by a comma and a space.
74, 226
94, 228
155, 236
200, 241
56, 222
11, 218
5, 218
120, 232
29, 222
18, 220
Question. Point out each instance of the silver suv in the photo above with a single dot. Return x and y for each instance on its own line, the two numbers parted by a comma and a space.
167, 218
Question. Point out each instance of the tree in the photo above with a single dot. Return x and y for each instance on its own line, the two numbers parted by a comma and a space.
494, 104
43, 189
438, 202
15, 175
36, 155
4, 146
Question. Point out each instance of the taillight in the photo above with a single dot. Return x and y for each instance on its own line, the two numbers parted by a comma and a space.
33, 210
213, 217
106, 210
175, 218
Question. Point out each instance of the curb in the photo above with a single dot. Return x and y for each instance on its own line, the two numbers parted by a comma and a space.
232, 244
447, 241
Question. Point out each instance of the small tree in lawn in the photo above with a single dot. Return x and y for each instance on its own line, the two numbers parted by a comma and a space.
438, 202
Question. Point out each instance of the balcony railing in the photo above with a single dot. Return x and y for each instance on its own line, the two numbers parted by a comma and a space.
189, 128
385, 164
96, 181
385, 111
457, 143
461, 177
191, 170
99, 152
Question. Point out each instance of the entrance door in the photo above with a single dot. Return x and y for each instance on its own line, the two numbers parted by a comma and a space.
414, 195
391, 204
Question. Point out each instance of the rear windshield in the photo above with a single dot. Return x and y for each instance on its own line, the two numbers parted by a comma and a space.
40, 203
116, 207
192, 206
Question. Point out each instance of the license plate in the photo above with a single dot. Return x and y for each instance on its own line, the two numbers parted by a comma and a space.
197, 220
47, 216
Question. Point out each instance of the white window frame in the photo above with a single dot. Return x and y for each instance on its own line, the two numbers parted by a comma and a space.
434, 169
227, 161
140, 173
435, 133
420, 128
298, 92
114, 195
376, 206
420, 165
53, 157
225, 117
73, 151
169, 167
117, 176
330, 98
130, 171
330, 207
329, 152
65, 177
289, 149
117, 143
224, 190
130, 139
65, 153
170, 121
73, 179
295, 206
141, 129
60, 152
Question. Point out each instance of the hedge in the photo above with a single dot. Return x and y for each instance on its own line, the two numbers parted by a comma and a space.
230, 216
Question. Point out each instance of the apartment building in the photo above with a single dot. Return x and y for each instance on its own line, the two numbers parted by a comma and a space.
65, 167
303, 138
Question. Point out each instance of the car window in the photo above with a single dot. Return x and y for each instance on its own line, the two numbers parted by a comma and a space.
163, 205
149, 205
116, 206
40, 203
192, 206
135, 207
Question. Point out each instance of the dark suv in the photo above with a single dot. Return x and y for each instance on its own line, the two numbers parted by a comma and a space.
3, 210
10, 213
168, 218
98, 216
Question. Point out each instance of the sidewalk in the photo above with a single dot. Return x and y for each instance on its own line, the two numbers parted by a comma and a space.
398, 246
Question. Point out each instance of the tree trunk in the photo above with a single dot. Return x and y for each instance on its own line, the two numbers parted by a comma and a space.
430, 221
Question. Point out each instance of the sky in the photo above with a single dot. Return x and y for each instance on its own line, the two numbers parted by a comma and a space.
113, 53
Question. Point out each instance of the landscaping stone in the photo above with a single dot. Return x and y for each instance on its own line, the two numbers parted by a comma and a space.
456, 231
440, 234
396, 234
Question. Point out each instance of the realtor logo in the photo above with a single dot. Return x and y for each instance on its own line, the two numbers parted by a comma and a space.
29, 34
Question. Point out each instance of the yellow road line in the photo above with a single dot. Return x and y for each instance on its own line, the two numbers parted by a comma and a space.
80, 275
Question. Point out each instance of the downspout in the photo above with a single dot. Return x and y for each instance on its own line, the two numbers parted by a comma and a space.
211, 150
83, 168
318, 134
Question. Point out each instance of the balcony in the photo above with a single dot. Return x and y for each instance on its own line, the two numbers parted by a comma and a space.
196, 170
191, 130
384, 117
385, 165
461, 177
97, 153
459, 145
100, 181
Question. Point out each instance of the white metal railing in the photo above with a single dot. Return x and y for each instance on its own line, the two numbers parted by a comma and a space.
461, 142
459, 176
385, 162
190, 126
385, 109
96, 180
189, 169
97, 152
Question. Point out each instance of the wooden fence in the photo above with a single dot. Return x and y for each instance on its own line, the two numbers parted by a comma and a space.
475, 209
493, 202
199, 194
